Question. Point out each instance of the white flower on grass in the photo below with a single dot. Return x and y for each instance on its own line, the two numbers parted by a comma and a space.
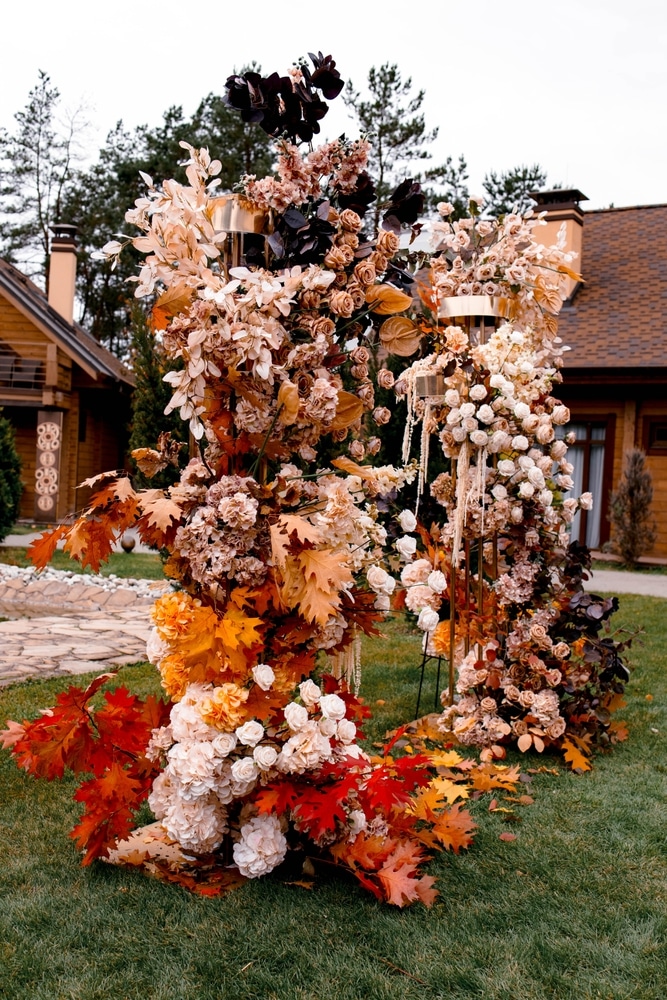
261, 848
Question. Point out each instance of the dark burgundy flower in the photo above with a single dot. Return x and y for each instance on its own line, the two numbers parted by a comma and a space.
405, 206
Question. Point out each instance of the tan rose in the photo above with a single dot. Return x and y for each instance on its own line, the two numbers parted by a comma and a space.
381, 415
336, 258
342, 304
356, 451
365, 272
379, 261
385, 378
354, 289
359, 371
360, 356
349, 240
350, 221
323, 327
388, 242
366, 394
310, 299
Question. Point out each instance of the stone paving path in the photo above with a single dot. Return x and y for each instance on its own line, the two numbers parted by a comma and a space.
57, 629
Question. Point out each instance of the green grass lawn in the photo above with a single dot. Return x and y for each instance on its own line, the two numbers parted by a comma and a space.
574, 909
139, 565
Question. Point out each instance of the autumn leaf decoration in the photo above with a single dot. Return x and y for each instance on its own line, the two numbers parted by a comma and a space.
114, 508
109, 742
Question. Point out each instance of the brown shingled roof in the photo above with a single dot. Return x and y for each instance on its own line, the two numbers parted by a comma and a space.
618, 318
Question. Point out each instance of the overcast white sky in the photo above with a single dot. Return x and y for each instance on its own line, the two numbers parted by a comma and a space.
579, 86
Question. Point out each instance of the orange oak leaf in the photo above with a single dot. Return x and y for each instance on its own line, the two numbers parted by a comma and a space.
90, 542
159, 510
507, 836
485, 777
40, 551
453, 828
575, 758
397, 874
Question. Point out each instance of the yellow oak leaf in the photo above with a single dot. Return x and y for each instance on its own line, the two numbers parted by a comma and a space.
575, 758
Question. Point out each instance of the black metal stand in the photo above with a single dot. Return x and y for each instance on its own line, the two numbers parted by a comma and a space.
436, 700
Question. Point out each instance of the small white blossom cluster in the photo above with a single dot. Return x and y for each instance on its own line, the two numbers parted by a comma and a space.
210, 771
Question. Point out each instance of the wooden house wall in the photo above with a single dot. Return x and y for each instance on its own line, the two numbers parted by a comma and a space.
655, 408
19, 333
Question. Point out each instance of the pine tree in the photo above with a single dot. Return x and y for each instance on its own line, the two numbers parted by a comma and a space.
35, 170
632, 521
11, 486
509, 190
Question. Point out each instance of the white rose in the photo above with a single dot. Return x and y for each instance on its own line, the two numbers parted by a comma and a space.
346, 730
382, 603
250, 733
485, 414
516, 337
560, 414
516, 515
536, 477
310, 693
478, 392
467, 409
521, 410
244, 769
526, 490
452, 397
520, 443
454, 417
265, 756
586, 501
296, 716
437, 581
506, 467
479, 438
332, 706
379, 580
558, 450
428, 619
545, 497
497, 381
224, 744
499, 492
459, 434
407, 546
263, 676
328, 727
407, 520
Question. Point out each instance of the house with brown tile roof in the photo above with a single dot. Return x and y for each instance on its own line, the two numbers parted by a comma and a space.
615, 375
67, 397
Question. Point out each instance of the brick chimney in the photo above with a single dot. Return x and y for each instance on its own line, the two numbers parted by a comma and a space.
562, 206
62, 270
